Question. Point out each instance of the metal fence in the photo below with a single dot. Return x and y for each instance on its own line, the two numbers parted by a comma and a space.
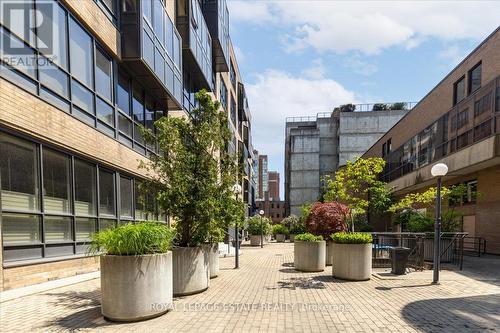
421, 247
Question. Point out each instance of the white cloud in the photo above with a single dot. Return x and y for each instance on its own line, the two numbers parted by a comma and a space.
370, 26
316, 71
452, 54
360, 66
276, 95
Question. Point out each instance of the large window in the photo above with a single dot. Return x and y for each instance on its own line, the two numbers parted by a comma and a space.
19, 174
81, 50
20, 229
107, 205
103, 75
56, 28
126, 196
85, 189
56, 182
475, 78
459, 91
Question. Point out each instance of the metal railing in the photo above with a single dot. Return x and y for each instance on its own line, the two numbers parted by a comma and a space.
421, 247
474, 246
383, 242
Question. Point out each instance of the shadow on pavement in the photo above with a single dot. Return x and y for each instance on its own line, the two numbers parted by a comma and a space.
299, 283
90, 315
474, 314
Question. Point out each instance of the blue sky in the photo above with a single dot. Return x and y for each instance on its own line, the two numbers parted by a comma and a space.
299, 57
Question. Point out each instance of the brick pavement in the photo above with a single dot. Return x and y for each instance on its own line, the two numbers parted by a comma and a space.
267, 295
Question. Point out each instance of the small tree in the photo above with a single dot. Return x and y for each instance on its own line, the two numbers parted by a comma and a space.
327, 218
380, 107
357, 186
398, 106
192, 175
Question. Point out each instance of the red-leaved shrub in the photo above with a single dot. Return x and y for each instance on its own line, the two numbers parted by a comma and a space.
327, 218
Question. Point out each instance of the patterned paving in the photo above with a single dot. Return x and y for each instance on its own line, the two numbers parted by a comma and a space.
268, 295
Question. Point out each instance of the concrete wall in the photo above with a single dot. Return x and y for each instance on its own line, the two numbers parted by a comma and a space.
358, 131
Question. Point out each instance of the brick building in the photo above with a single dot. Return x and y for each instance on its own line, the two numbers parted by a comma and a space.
456, 123
274, 184
69, 125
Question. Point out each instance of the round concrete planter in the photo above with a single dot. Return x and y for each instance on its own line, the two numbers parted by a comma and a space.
309, 256
255, 240
280, 238
352, 261
329, 252
213, 259
136, 287
292, 238
191, 270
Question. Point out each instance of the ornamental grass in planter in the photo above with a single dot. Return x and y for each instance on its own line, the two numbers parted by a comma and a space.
352, 256
279, 232
309, 253
295, 226
258, 227
326, 218
136, 270
191, 179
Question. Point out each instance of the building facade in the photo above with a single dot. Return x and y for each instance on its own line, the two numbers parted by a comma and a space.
69, 122
263, 177
274, 185
456, 123
273, 208
316, 146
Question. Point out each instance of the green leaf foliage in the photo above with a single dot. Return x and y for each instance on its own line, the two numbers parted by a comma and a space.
133, 239
307, 237
279, 229
257, 224
192, 176
352, 238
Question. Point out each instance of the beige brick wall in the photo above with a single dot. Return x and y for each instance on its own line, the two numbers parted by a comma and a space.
22, 276
89, 13
29, 114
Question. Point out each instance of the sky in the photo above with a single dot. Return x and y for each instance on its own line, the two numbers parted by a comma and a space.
301, 57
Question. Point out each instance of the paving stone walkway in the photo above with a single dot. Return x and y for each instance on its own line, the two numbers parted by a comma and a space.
268, 295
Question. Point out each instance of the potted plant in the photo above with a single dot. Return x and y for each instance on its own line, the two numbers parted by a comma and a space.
136, 270
352, 256
258, 227
294, 226
309, 253
279, 232
185, 179
324, 219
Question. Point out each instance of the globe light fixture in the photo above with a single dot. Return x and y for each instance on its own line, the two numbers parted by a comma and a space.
438, 170
261, 212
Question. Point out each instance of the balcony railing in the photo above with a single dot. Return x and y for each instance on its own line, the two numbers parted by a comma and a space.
474, 119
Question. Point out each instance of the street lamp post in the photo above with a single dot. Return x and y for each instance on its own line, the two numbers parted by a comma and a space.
236, 191
438, 170
261, 213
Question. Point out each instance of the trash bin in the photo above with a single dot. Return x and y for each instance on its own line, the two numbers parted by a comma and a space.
399, 258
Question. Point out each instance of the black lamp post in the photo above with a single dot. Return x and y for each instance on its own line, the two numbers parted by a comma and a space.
236, 191
261, 213
439, 171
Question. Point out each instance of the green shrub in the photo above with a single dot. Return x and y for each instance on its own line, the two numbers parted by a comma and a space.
352, 238
133, 239
280, 229
255, 223
307, 237
298, 228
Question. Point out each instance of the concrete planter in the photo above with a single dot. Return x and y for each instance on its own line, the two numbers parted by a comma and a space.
255, 240
280, 238
329, 253
309, 256
213, 259
136, 287
352, 261
292, 238
191, 270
